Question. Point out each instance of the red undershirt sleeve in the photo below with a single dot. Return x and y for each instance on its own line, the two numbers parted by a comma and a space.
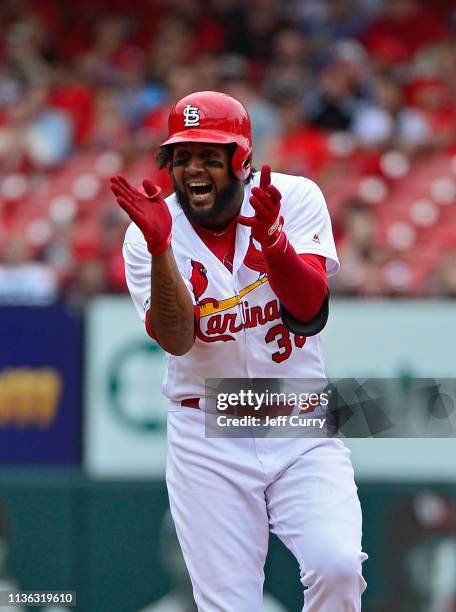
299, 281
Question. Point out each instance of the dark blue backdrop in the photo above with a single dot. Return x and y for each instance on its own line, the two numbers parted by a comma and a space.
32, 339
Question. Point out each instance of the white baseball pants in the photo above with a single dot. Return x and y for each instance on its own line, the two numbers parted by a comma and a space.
227, 493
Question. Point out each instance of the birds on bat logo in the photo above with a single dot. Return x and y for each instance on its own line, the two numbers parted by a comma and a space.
191, 116
219, 316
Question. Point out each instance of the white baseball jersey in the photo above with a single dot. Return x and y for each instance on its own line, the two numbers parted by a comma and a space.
227, 493
241, 334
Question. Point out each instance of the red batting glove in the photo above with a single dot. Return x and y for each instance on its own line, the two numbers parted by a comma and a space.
148, 210
267, 223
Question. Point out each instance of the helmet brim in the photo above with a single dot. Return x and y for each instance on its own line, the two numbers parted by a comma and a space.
209, 136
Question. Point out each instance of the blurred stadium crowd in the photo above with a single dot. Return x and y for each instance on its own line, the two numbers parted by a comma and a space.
359, 95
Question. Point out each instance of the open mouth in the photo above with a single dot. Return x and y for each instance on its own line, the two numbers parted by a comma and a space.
200, 190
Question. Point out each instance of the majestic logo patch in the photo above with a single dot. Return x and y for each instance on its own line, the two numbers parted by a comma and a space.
191, 116
316, 238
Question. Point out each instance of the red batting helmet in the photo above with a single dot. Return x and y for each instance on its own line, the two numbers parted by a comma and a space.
210, 116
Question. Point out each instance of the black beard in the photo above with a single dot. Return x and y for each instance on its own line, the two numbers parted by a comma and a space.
223, 203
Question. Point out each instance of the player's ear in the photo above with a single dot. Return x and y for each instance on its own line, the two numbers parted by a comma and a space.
164, 158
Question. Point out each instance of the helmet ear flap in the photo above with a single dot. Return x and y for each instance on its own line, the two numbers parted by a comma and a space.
241, 162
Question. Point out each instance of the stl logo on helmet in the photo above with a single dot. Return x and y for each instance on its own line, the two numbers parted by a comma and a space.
191, 116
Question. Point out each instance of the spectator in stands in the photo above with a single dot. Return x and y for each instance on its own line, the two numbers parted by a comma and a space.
10, 88
71, 93
388, 122
343, 82
265, 117
432, 91
98, 64
24, 282
333, 105
108, 130
302, 149
135, 96
405, 25
58, 254
257, 21
39, 135
169, 48
23, 54
209, 69
290, 51
180, 81
361, 254
347, 19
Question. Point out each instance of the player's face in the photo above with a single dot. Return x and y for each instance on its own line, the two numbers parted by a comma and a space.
208, 193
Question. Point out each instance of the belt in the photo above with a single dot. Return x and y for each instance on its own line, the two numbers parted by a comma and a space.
274, 410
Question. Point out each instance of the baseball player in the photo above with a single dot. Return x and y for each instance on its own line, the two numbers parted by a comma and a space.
229, 274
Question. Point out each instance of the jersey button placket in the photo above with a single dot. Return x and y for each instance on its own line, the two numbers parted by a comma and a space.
242, 336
